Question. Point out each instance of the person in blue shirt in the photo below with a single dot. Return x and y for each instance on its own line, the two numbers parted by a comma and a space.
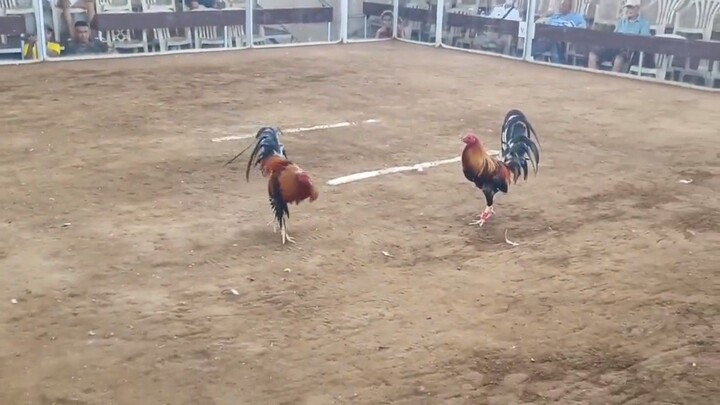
565, 17
631, 24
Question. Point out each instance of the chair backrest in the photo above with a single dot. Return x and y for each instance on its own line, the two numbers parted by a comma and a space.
582, 7
697, 17
15, 5
206, 32
157, 5
114, 6
607, 12
661, 13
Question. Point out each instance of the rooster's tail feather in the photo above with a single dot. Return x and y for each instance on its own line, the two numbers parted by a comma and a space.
267, 144
518, 145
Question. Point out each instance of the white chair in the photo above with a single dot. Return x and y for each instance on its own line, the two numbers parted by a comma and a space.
661, 13
213, 36
113, 6
158, 5
581, 7
15, 7
416, 26
120, 39
696, 20
165, 39
236, 36
457, 37
663, 63
608, 12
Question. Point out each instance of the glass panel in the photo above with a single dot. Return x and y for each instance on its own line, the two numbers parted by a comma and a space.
670, 40
18, 31
141, 26
417, 20
296, 21
496, 26
369, 19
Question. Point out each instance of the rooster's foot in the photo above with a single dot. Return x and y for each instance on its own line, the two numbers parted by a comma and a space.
285, 236
484, 216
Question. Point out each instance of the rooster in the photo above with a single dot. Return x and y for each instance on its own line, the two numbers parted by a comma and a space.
491, 174
287, 182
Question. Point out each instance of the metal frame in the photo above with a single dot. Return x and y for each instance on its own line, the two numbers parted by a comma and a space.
343, 38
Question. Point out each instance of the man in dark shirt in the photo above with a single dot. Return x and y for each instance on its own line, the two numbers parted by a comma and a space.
82, 44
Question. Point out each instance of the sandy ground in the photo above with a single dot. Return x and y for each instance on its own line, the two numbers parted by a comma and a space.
122, 233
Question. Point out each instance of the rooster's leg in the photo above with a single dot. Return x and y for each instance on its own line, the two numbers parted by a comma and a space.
484, 216
285, 236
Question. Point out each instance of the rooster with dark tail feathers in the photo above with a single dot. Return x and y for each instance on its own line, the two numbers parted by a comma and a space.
491, 174
287, 182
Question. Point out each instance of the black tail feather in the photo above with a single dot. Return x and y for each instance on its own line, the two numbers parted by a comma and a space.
267, 144
280, 208
518, 146
239, 154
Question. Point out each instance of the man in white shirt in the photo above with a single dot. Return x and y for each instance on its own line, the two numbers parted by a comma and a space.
491, 40
506, 11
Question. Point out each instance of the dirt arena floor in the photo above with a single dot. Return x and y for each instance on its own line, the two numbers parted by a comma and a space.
122, 235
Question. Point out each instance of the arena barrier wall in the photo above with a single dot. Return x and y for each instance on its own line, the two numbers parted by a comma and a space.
673, 41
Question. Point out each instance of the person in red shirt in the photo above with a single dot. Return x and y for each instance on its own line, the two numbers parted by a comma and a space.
387, 22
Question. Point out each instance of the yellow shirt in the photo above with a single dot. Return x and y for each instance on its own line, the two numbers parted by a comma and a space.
53, 48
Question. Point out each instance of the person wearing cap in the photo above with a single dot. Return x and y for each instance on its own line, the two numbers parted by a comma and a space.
630, 24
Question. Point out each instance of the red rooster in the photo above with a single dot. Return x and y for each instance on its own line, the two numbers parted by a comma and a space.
287, 182
491, 174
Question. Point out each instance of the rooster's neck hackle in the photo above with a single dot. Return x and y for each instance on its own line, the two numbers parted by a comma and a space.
477, 157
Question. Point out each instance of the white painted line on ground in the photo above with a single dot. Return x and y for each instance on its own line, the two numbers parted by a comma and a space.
306, 129
390, 170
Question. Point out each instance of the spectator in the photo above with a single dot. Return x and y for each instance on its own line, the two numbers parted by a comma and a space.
83, 43
491, 39
30, 50
65, 5
387, 22
564, 18
196, 4
632, 24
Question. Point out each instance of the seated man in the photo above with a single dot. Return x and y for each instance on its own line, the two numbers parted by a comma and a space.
82, 43
632, 24
490, 39
67, 6
564, 18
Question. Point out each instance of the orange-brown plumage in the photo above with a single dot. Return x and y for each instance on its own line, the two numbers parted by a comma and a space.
287, 184
291, 182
